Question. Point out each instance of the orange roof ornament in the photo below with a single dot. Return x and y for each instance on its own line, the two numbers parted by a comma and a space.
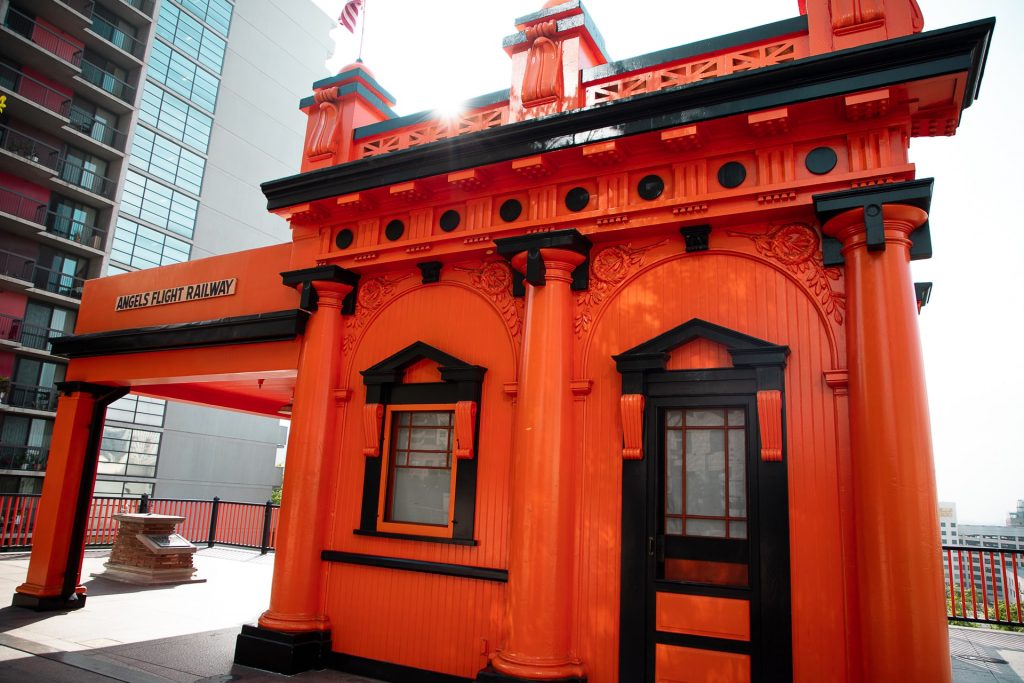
839, 24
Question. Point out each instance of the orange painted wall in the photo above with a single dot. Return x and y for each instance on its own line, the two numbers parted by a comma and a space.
762, 298
423, 620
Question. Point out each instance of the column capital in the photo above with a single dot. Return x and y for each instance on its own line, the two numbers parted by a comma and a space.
330, 281
862, 227
868, 203
529, 254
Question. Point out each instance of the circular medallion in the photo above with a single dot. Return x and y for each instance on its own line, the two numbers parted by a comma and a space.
394, 230
732, 174
510, 210
650, 187
821, 160
343, 240
577, 199
449, 220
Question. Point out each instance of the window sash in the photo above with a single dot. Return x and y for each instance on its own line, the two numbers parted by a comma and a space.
389, 466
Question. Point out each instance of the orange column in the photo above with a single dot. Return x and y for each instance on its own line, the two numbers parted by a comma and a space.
542, 540
296, 603
903, 627
54, 568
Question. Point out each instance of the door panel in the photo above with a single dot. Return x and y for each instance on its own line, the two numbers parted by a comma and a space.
689, 665
703, 615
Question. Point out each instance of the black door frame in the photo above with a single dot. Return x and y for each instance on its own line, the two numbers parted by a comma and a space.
757, 366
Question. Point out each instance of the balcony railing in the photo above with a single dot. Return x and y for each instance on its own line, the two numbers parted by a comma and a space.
38, 337
28, 147
10, 327
16, 265
208, 522
87, 179
31, 396
52, 42
107, 81
117, 37
76, 231
27, 458
57, 282
35, 90
22, 206
97, 129
984, 586
144, 6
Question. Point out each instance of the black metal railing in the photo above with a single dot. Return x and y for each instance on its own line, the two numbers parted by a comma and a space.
38, 337
68, 228
107, 81
209, 522
31, 89
31, 396
984, 586
10, 327
57, 282
117, 37
17, 266
52, 42
28, 147
83, 7
73, 172
26, 458
97, 129
20, 205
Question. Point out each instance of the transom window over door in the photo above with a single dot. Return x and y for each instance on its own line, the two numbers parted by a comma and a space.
706, 472
421, 470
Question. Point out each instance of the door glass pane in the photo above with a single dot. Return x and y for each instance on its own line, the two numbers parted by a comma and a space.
705, 418
674, 472
737, 473
705, 473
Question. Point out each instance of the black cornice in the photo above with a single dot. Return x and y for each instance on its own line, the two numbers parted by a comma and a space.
878, 65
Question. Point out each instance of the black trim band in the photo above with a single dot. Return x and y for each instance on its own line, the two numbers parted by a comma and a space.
459, 570
245, 329
741, 647
414, 537
386, 671
902, 60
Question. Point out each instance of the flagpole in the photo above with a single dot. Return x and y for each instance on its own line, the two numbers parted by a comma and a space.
362, 32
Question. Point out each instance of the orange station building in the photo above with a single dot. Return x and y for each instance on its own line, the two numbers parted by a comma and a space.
614, 376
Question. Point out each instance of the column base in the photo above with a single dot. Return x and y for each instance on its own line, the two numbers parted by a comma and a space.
489, 675
49, 603
283, 653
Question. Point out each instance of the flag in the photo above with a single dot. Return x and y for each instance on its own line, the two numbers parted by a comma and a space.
350, 14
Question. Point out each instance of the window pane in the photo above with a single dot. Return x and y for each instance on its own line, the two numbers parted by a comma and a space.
737, 473
705, 418
674, 471
705, 473
705, 527
420, 467
736, 418
421, 496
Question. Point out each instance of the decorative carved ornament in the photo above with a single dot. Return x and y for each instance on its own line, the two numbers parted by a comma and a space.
372, 294
373, 419
542, 82
849, 13
321, 134
631, 407
494, 279
608, 269
798, 247
465, 429
769, 416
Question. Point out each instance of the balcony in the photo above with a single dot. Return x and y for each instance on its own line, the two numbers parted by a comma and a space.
26, 156
136, 12
71, 15
27, 458
21, 213
56, 282
38, 337
73, 175
16, 268
10, 329
97, 130
32, 44
118, 95
124, 43
78, 232
31, 397
35, 97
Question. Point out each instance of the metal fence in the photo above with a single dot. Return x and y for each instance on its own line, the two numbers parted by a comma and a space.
984, 586
210, 522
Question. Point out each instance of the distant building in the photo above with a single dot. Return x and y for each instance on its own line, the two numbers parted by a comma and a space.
991, 537
1016, 518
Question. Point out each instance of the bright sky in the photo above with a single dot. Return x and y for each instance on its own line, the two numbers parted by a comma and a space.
436, 54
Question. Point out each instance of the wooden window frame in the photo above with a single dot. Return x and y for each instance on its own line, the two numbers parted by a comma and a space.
387, 476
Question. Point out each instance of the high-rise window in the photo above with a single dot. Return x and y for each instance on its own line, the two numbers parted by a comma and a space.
183, 76
167, 160
130, 452
141, 247
216, 13
174, 117
158, 204
191, 37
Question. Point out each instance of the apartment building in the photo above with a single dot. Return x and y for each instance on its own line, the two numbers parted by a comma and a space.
136, 134
986, 537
